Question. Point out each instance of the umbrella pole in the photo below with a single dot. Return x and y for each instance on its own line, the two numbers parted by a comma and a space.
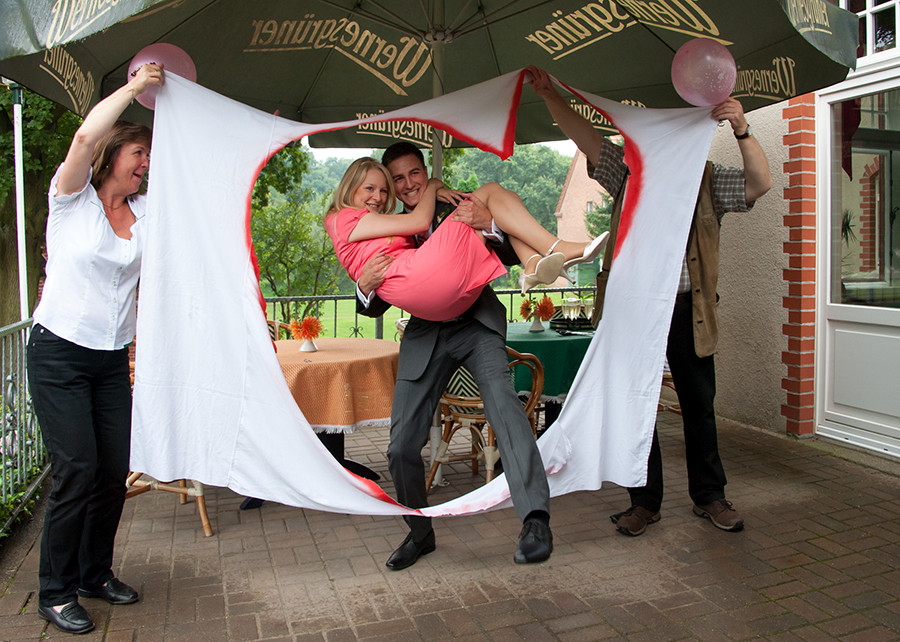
20, 200
437, 89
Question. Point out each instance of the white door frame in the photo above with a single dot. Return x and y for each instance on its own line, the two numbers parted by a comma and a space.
839, 325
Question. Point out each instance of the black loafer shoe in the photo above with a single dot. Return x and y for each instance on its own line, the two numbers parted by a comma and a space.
409, 552
535, 542
71, 619
114, 592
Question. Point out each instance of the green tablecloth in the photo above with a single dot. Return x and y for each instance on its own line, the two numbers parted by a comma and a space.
560, 355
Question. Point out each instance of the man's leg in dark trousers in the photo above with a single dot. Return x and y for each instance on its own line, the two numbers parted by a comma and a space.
486, 358
695, 382
411, 417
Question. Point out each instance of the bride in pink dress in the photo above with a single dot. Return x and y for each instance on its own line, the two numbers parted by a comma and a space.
441, 278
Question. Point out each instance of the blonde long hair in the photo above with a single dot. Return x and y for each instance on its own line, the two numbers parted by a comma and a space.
354, 177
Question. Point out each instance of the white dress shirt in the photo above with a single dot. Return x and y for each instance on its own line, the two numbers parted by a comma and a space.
92, 274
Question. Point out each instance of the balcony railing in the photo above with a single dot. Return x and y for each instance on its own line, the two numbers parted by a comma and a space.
340, 319
24, 459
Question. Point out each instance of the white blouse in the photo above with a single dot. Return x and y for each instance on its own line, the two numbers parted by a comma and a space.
92, 274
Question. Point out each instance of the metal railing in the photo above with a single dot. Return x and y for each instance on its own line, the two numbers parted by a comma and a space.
25, 464
24, 458
331, 310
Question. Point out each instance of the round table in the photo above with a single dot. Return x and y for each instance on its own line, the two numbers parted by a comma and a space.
559, 354
346, 384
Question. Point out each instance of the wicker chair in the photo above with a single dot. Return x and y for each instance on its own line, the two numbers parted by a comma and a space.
278, 330
462, 408
137, 484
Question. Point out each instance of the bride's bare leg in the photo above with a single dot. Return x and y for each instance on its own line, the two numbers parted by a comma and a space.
511, 216
528, 256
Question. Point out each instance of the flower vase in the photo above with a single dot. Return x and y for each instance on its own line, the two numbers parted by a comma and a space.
536, 325
308, 345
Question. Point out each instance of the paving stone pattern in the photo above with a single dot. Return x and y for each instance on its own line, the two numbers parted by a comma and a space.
818, 559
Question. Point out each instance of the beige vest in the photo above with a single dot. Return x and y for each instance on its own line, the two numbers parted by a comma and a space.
703, 266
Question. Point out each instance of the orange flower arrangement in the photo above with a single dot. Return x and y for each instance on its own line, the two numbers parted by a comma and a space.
307, 330
525, 309
310, 328
544, 309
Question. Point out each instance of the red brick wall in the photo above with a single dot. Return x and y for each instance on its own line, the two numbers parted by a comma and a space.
871, 184
800, 250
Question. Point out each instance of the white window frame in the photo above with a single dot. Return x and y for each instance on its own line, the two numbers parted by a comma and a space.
868, 14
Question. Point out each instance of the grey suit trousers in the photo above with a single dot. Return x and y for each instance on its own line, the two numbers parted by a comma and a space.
483, 352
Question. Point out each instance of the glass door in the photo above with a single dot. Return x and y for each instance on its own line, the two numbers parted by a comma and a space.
859, 330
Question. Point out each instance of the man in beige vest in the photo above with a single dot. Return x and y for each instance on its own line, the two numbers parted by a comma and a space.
694, 329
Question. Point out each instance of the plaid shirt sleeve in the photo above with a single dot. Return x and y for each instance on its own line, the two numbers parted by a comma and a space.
610, 169
728, 190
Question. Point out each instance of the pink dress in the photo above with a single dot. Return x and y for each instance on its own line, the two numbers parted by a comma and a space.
437, 281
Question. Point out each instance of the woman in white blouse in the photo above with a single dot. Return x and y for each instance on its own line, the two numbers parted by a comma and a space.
78, 356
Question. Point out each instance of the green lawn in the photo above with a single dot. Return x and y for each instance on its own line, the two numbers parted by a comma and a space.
339, 317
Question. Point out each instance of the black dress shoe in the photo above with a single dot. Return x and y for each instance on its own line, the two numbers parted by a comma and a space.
535, 542
114, 592
71, 619
251, 503
409, 552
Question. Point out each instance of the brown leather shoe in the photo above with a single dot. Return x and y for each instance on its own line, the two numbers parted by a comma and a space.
634, 521
722, 514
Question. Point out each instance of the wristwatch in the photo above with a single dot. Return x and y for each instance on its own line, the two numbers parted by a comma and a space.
746, 134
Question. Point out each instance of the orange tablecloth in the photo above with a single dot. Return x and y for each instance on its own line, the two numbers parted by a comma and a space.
345, 385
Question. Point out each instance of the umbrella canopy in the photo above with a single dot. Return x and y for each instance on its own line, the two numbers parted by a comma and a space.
330, 60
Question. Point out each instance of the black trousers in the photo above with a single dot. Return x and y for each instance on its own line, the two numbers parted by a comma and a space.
695, 382
82, 399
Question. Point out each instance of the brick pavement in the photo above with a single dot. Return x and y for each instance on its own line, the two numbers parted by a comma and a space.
819, 559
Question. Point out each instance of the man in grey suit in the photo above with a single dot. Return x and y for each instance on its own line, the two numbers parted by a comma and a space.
430, 353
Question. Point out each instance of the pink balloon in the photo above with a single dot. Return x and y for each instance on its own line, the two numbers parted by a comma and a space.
174, 59
703, 72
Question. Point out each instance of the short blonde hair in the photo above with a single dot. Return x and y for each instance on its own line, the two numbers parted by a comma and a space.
354, 177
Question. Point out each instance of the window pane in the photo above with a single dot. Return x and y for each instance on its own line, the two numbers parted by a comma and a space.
856, 5
861, 47
865, 233
885, 29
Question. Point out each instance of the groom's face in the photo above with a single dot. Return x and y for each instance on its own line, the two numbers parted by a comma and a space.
410, 179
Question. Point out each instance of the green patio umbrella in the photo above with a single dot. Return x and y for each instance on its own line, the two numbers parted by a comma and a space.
331, 60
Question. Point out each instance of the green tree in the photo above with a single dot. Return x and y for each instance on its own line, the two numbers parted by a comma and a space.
535, 172
282, 174
597, 220
449, 158
293, 251
47, 130
323, 177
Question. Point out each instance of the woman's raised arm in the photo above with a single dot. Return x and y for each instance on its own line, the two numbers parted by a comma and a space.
100, 120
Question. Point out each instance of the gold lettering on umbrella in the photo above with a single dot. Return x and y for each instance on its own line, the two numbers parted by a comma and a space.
776, 83
70, 17
396, 130
809, 15
65, 70
398, 65
566, 33
595, 118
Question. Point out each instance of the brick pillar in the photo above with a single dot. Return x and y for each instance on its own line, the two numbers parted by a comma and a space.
871, 184
800, 275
